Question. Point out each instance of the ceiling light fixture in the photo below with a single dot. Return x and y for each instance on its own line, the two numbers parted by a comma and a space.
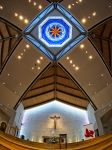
38, 61
83, 20
40, 7
1, 7
27, 45
21, 17
76, 68
41, 58
69, 6
82, 46
90, 57
71, 61
19, 57
67, 58
26, 21
15, 14
94, 13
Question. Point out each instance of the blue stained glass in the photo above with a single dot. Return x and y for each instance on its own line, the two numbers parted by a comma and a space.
55, 31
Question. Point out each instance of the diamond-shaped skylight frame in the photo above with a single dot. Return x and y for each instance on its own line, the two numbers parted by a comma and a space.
55, 18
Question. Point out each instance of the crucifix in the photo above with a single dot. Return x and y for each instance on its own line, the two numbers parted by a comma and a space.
55, 118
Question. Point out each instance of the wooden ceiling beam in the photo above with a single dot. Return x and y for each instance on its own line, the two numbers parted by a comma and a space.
73, 95
36, 95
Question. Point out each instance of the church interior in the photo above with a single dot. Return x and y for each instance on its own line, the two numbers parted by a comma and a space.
56, 74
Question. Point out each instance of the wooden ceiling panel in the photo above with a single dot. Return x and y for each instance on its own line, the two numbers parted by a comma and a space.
55, 84
100, 36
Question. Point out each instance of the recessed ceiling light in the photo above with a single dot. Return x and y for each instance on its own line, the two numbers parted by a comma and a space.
73, 65
102, 74
24, 50
1, 7
41, 58
29, 1
86, 52
71, 61
80, 1
34, 3
21, 54
15, 14
83, 20
89, 84
67, 58
77, 2
21, 17
69, 6
3, 83
90, 57
38, 68
40, 7
19, 57
38, 61
32, 68
82, 46
94, 13
26, 21
76, 68
8, 74
27, 45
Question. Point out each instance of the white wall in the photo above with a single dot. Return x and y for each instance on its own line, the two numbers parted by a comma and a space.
91, 116
37, 122
99, 114
19, 116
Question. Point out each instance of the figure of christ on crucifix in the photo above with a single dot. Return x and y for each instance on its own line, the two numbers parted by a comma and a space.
55, 118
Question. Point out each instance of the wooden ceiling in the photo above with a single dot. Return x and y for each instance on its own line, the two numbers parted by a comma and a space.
55, 84
101, 37
10, 36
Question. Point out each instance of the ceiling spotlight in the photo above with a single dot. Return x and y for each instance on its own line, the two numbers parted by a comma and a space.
94, 13
38, 61
71, 61
32, 68
80, 1
8, 74
26, 21
41, 58
1, 7
89, 84
34, 3
29, 1
90, 57
83, 20
67, 58
19, 57
27, 45
69, 6
15, 14
3, 83
76, 68
21, 17
102, 74
40, 7
82, 46
38, 68
73, 65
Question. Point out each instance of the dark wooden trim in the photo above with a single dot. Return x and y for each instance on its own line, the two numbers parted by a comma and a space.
45, 85
68, 86
99, 23
103, 60
9, 55
12, 25
36, 95
90, 101
71, 104
57, 99
39, 104
32, 83
73, 95
52, 1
